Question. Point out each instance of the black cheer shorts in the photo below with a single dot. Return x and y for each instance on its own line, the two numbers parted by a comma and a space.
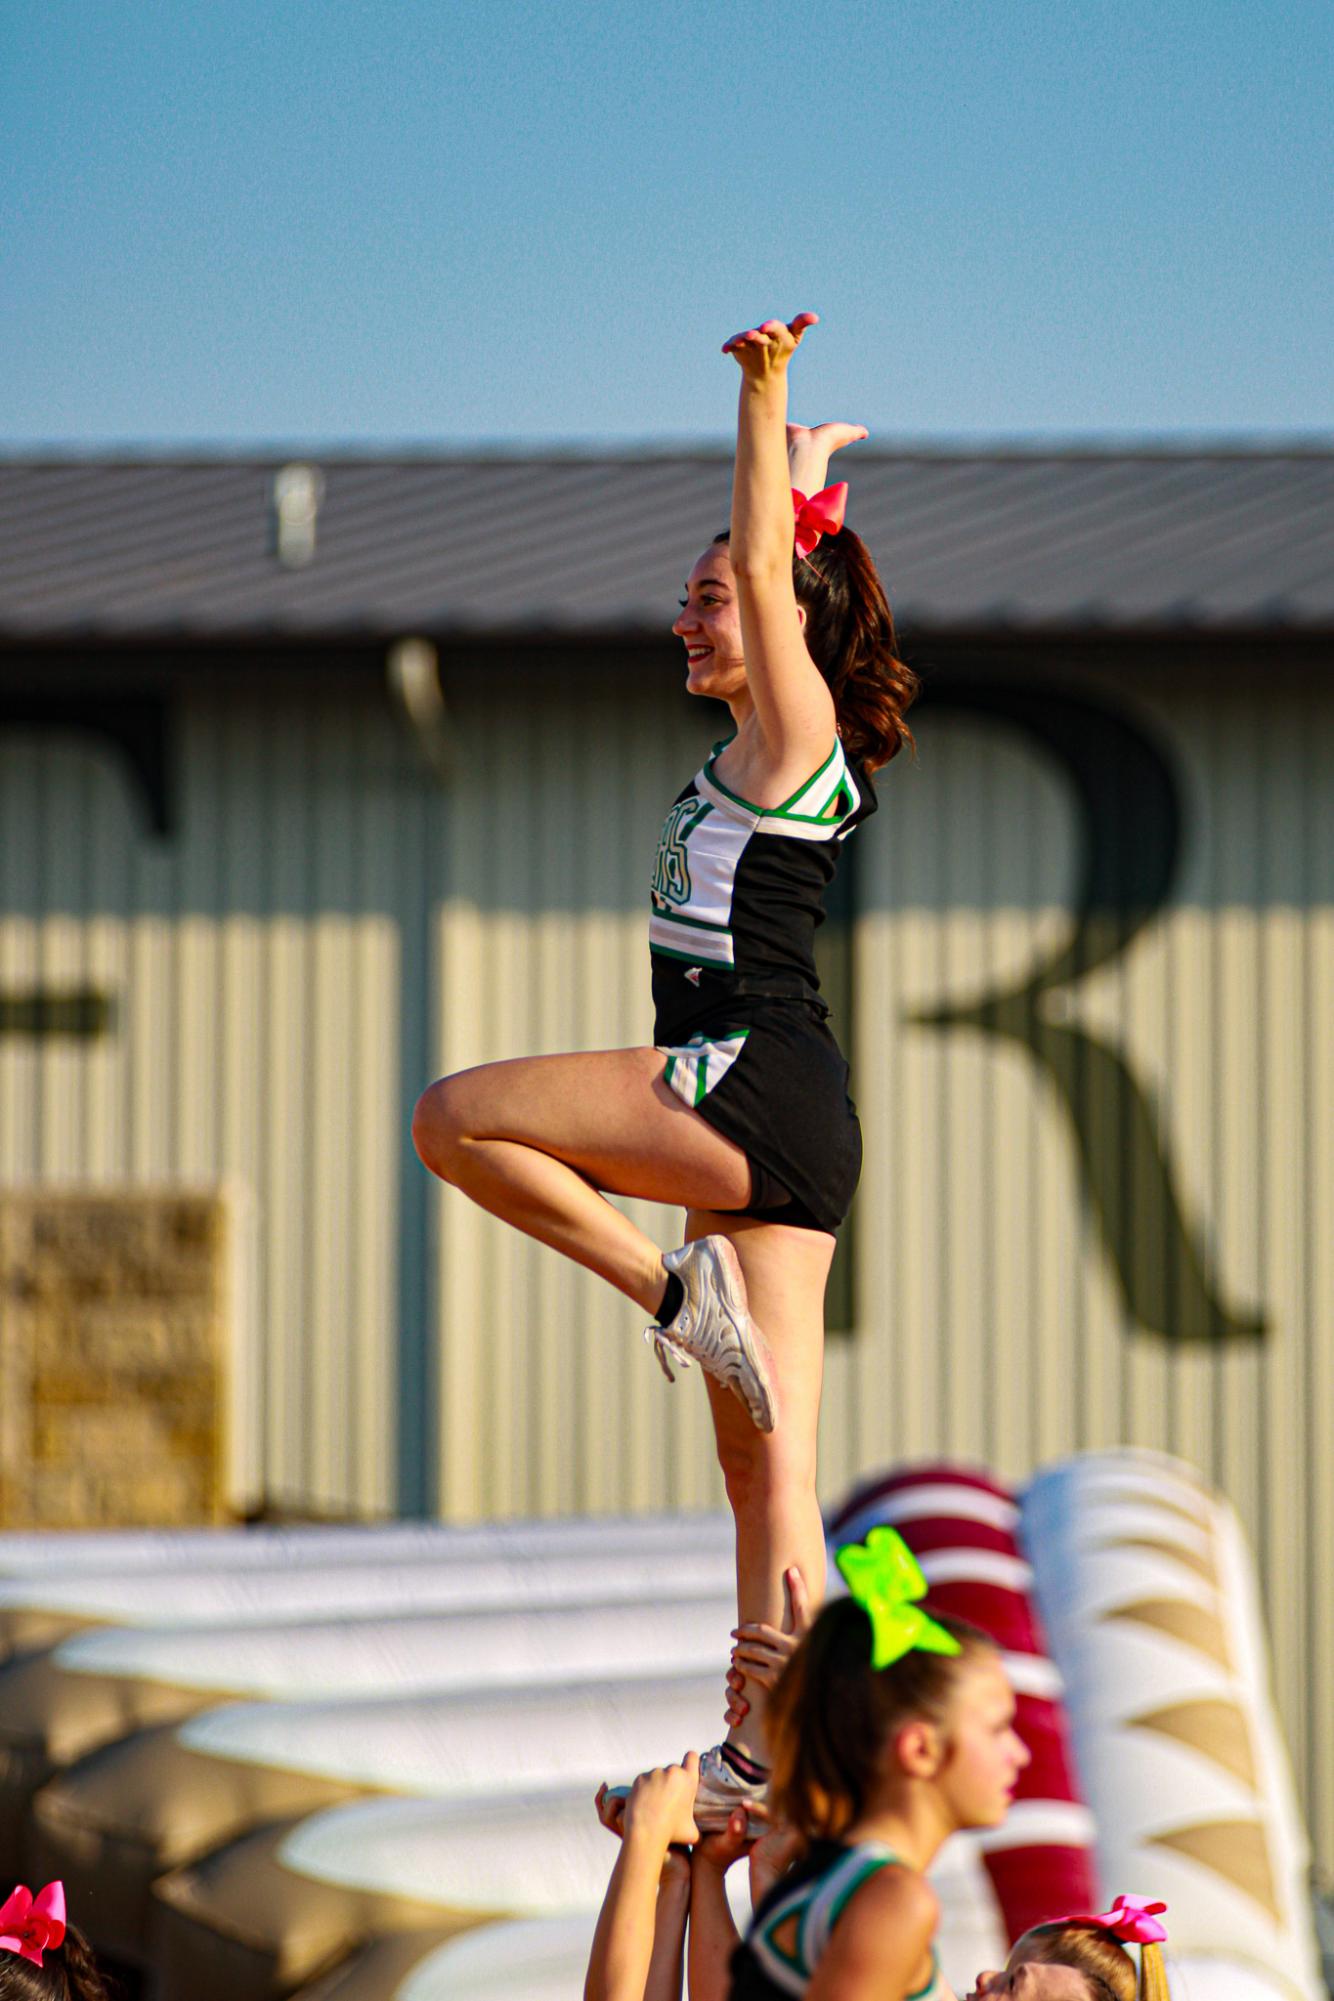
777, 1085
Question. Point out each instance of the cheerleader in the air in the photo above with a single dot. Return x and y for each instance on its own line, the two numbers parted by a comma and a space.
740, 1114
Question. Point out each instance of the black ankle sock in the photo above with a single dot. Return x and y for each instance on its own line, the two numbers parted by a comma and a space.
745, 1768
673, 1299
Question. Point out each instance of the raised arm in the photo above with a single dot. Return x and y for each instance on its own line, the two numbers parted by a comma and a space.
793, 706
635, 1940
667, 1962
810, 448
713, 1932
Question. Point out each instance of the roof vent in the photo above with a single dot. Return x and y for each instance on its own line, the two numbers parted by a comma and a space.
297, 493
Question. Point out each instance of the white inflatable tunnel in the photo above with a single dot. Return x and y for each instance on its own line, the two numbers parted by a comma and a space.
352, 1764
99, 1686
152, 1802
1150, 1600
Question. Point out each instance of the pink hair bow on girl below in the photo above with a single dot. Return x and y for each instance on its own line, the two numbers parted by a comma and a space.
1133, 1919
821, 515
32, 1925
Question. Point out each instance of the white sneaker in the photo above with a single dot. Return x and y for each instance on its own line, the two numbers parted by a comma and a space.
714, 1327
721, 1791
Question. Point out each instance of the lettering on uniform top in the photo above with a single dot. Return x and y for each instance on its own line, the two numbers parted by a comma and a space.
671, 871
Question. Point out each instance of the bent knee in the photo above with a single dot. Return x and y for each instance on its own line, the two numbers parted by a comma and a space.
439, 1129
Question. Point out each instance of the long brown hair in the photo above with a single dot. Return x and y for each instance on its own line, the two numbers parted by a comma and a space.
850, 637
1102, 1959
68, 1972
832, 1713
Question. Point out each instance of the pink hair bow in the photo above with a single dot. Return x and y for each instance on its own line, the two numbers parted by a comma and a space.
821, 515
1133, 1919
32, 1925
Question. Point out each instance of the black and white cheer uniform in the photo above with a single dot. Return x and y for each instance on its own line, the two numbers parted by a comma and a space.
738, 890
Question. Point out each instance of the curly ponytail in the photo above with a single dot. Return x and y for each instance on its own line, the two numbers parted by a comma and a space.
68, 1972
850, 637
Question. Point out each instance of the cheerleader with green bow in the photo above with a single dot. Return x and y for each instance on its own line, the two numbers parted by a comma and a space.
889, 1730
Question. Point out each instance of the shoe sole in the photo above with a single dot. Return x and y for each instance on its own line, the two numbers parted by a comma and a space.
712, 1816
749, 1338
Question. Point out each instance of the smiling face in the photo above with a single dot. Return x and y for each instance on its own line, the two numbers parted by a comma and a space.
710, 627
985, 1754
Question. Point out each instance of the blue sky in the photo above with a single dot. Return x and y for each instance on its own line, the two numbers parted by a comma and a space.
437, 222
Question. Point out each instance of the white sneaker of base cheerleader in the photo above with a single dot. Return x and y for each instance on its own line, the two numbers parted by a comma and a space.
714, 1327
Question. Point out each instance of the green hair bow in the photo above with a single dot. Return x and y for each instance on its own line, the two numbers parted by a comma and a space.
886, 1579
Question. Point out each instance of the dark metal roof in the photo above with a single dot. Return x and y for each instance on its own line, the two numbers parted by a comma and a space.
1024, 542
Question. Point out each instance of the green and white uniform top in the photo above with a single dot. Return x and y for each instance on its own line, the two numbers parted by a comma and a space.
793, 1925
738, 890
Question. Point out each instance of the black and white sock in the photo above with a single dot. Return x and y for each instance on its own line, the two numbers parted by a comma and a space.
745, 1767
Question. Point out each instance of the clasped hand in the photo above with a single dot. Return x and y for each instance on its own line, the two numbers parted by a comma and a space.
660, 1805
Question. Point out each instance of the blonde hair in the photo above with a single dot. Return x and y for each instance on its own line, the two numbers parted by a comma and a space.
1102, 1959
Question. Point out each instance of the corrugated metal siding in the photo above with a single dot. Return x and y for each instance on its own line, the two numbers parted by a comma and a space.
992, 1325
549, 1402
577, 543
254, 961
329, 927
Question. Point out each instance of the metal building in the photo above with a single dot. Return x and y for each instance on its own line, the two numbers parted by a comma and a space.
315, 782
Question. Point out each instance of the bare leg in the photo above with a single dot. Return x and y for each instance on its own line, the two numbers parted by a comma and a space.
534, 1140
770, 1477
